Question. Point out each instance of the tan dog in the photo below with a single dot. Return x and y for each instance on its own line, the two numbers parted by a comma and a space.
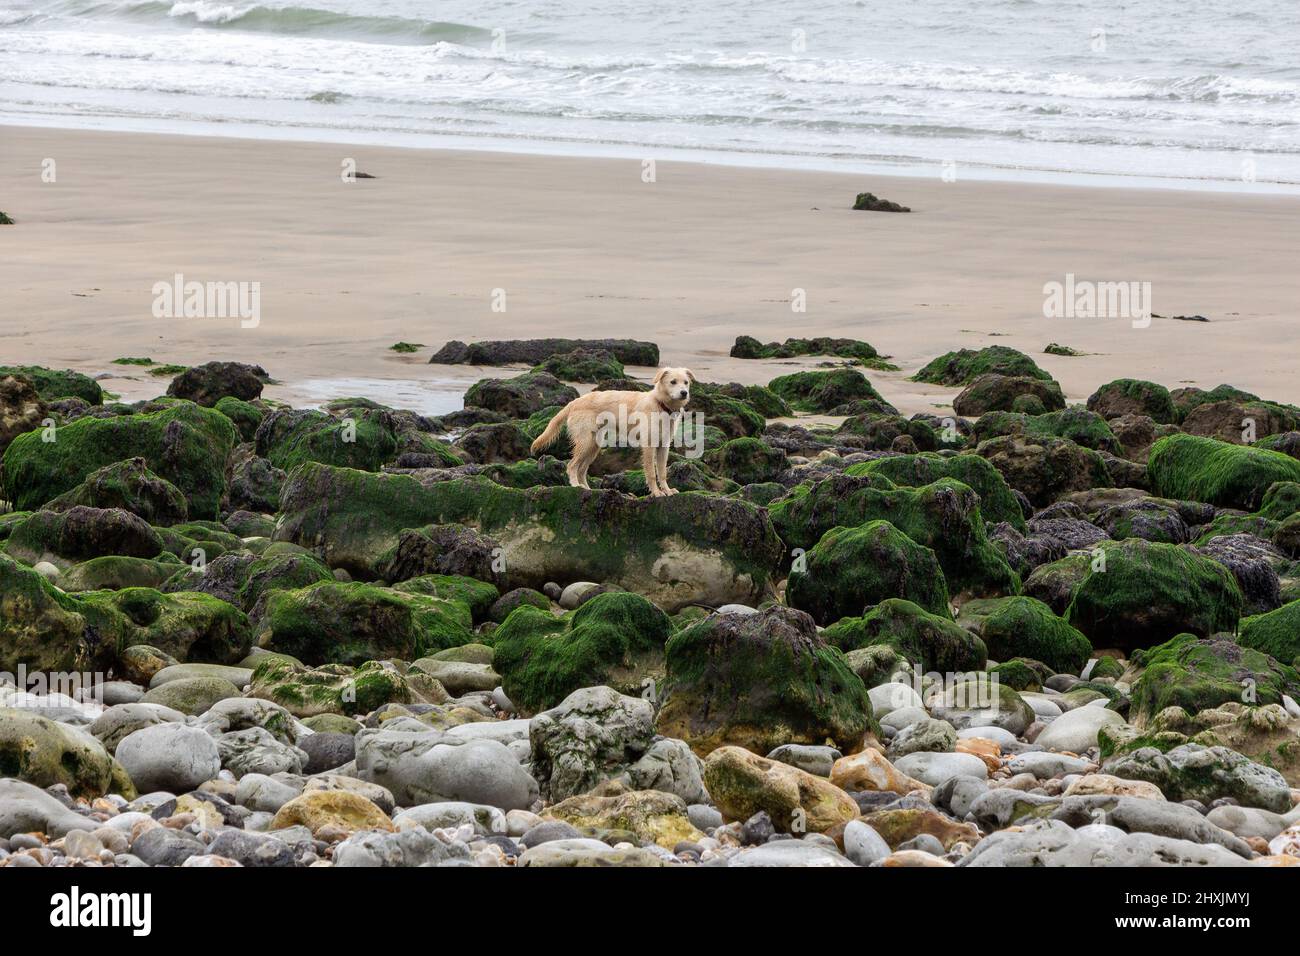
644, 420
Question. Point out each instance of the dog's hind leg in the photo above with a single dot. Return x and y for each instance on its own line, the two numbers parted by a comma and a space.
585, 450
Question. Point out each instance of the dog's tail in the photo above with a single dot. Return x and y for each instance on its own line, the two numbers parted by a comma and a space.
552, 432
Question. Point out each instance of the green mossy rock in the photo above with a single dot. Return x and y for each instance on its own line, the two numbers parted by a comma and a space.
1129, 396
1018, 674
944, 516
997, 502
1197, 674
182, 443
747, 461
40, 627
1009, 393
351, 623
759, 681
364, 438
114, 572
1146, 593
280, 572
1075, 423
933, 643
188, 625
732, 417
850, 569
748, 347
615, 639
1206, 469
683, 549
53, 384
308, 692
521, 396
1025, 627
965, 365
826, 391
244, 415
479, 596
1276, 633
582, 365
1045, 469
80, 533
131, 486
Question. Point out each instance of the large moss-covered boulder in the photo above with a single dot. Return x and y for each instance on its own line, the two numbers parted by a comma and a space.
1276, 633
44, 753
80, 533
114, 572
748, 347
1046, 469
351, 623
747, 461
1128, 396
684, 549
997, 502
1240, 423
1075, 423
330, 688
615, 639
1140, 593
1206, 469
965, 365
582, 365
479, 596
279, 572
364, 439
441, 549
53, 384
733, 417
826, 391
244, 415
943, 516
931, 642
759, 681
40, 627
210, 382
188, 625
850, 569
1009, 393
1026, 627
182, 443
131, 486
1197, 674
520, 396
1206, 774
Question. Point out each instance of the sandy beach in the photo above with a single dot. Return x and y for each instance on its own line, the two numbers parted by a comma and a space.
585, 248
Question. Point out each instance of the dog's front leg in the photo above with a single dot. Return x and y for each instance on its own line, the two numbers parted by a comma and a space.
661, 457
650, 465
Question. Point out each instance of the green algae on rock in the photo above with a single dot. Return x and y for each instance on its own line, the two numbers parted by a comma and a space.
931, 642
1206, 469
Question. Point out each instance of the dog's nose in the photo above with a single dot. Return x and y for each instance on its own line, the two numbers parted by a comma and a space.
683, 395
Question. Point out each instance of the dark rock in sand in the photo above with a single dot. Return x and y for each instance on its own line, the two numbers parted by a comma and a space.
535, 351
209, 383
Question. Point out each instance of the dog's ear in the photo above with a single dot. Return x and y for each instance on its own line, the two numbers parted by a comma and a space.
690, 375
659, 376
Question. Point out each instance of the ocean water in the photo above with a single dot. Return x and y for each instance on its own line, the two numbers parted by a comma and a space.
1200, 93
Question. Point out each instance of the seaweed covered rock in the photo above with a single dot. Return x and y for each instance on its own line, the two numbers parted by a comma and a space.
493, 443
207, 384
943, 516
1206, 774
520, 396
997, 501
1075, 423
187, 625
732, 417
1251, 562
534, 351
40, 627
441, 549
582, 365
278, 572
615, 639
759, 681
748, 347
1205, 469
53, 384
747, 461
965, 365
80, 533
850, 569
131, 486
1009, 393
1139, 593
1276, 633
1240, 422
1044, 470
182, 443
244, 415
45, 753
351, 623
479, 596
21, 408
878, 431
1025, 627
931, 642
1128, 396
675, 551
1198, 674
365, 439
255, 483
328, 689
826, 391
114, 572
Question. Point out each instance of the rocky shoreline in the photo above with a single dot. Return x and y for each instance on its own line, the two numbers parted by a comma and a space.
236, 633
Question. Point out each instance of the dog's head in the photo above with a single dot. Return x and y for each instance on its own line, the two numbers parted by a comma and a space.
672, 386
